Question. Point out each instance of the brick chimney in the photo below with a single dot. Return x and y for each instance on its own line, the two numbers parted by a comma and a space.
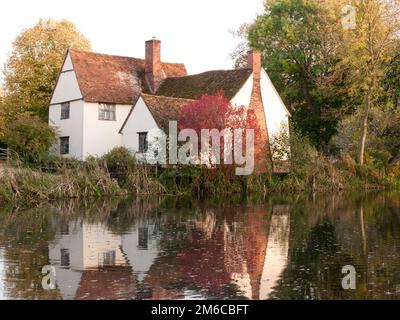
153, 67
254, 63
257, 104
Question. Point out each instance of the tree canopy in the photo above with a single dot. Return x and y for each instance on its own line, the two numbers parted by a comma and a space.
331, 75
216, 112
32, 68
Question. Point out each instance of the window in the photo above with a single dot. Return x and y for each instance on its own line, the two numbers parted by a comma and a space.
143, 238
64, 145
65, 259
107, 112
65, 110
64, 229
109, 259
143, 145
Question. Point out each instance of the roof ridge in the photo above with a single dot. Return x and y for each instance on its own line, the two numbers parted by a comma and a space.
165, 97
104, 54
118, 56
209, 71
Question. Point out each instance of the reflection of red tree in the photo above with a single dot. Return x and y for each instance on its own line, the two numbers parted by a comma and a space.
202, 262
109, 284
159, 293
210, 262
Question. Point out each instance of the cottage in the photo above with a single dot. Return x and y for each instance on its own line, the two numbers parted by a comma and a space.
102, 101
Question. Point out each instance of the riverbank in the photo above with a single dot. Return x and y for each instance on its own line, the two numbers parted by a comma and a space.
27, 187
118, 174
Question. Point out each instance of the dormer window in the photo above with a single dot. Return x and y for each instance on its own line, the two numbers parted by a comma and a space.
107, 112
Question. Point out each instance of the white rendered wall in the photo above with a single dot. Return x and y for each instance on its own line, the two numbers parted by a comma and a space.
72, 128
275, 110
242, 98
67, 88
140, 120
101, 136
68, 63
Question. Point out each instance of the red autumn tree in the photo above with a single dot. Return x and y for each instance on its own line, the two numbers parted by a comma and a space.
216, 112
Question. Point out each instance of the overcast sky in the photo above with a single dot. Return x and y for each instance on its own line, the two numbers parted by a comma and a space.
195, 32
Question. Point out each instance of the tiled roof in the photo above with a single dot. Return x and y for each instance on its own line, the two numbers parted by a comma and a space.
114, 79
164, 109
194, 86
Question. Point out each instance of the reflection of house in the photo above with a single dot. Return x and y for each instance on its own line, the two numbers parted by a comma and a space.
2, 293
238, 255
92, 262
141, 248
263, 254
277, 252
241, 256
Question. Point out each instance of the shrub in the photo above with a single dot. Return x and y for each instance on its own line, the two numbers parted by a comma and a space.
29, 136
310, 169
140, 180
137, 177
119, 162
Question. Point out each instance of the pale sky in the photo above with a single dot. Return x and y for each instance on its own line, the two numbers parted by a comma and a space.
195, 32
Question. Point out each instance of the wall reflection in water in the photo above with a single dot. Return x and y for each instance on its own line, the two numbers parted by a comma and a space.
177, 253
2, 296
277, 248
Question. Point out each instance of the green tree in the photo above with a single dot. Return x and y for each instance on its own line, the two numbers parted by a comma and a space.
2, 120
31, 70
365, 54
299, 40
29, 136
392, 82
1, 96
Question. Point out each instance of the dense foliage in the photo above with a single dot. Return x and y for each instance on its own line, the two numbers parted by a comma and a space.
329, 75
29, 137
32, 68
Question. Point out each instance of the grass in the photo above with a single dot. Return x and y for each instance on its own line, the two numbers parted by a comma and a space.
117, 173
27, 187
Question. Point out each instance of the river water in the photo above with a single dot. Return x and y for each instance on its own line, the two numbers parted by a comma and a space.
281, 247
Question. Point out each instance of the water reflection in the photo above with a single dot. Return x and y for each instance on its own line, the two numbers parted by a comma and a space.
278, 248
93, 262
2, 297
